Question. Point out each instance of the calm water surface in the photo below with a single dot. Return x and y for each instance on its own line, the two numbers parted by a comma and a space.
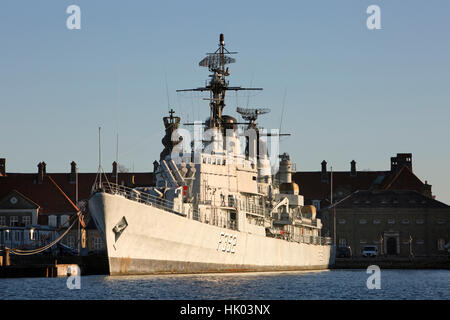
335, 284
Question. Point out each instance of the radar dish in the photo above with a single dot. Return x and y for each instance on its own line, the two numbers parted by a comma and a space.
251, 114
215, 60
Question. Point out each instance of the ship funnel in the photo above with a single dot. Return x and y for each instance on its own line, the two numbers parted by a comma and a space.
222, 41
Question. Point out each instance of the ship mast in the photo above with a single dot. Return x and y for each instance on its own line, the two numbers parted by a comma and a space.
218, 85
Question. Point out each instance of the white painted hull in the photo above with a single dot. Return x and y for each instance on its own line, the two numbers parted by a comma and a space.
157, 241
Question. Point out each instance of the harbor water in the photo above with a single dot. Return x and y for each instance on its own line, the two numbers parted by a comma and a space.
331, 284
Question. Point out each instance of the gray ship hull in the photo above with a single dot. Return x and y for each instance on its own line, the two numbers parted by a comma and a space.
142, 239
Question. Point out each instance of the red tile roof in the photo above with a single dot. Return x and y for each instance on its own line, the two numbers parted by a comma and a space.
49, 198
405, 179
313, 188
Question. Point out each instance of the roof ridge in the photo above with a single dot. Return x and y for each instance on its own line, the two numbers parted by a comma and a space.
25, 197
398, 175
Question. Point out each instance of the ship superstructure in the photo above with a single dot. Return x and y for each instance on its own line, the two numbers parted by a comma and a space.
218, 204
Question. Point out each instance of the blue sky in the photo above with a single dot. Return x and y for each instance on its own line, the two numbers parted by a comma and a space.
352, 93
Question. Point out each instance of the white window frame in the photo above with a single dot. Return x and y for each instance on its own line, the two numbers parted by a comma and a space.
64, 219
71, 242
53, 218
98, 244
13, 221
26, 220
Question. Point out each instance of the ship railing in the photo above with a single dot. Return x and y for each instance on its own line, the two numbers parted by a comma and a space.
316, 240
140, 196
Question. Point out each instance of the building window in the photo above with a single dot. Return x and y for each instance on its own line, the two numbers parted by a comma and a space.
405, 221
362, 221
26, 220
419, 221
376, 221
363, 241
53, 221
342, 242
14, 221
7, 235
2, 221
98, 244
441, 244
420, 241
64, 219
71, 242
440, 221
391, 221
341, 221
17, 235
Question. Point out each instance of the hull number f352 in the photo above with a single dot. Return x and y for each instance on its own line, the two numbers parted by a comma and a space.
227, 242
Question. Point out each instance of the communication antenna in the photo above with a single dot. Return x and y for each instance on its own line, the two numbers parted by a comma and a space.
282, 108
248, 96
117, 128
99, 156
167, 93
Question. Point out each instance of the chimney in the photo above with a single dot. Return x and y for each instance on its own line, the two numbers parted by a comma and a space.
114, 169
41, 172
2, 167
426, 190
324, 176
400, 161
353, 168
73, 172
393, 164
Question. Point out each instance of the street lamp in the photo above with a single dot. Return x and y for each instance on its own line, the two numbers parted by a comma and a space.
381, 246
411, 254
334, 209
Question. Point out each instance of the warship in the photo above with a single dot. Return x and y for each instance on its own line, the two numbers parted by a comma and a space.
219, 203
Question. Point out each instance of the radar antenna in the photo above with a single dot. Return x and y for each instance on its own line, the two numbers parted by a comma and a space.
251, 114
218, 85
